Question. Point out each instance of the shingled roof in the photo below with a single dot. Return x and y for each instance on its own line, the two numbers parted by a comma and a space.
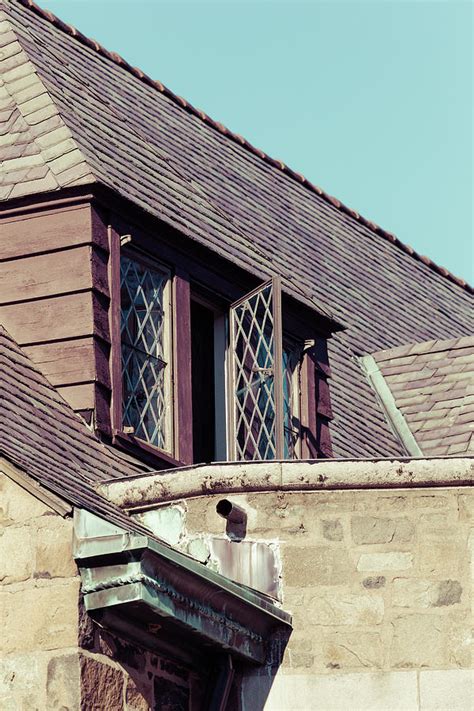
80, 114
42, 436
433, 387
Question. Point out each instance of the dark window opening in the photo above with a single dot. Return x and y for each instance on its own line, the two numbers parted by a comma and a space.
203, 382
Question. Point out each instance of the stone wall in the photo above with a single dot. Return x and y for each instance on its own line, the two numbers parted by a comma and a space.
52, 656
117, 675
378, 582
39, 589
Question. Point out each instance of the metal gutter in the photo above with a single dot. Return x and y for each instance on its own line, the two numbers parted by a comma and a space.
141, 492
132, 579
394, 417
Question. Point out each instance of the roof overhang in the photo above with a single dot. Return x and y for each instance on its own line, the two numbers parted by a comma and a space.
148, 592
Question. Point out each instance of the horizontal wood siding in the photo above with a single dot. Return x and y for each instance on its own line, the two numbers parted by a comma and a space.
54, 298
72, 361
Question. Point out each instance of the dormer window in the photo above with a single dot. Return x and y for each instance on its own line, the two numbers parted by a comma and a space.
146, 351
197, 378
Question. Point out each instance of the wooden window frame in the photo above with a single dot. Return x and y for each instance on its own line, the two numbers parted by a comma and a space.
181, 407
184, 288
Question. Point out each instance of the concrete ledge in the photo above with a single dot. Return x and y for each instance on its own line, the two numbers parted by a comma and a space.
149, 490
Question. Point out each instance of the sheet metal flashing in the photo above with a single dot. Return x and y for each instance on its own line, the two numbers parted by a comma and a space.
395, 418
153, 587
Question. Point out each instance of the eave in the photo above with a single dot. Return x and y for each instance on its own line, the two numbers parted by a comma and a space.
144, 590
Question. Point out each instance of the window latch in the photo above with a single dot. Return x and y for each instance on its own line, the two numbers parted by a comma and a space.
263, 371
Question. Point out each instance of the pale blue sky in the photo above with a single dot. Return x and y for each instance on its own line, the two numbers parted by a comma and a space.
370, 99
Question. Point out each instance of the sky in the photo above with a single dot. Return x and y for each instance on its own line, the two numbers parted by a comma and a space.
372, 100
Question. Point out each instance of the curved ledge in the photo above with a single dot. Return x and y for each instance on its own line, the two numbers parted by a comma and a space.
146, 491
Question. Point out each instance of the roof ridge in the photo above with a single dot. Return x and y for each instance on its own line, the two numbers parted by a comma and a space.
117, 59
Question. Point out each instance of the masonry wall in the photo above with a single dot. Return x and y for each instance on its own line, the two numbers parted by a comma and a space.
39, 589
379, 586
52, 656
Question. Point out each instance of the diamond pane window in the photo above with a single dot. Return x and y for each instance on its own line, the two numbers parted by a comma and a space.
145, 337
257, 412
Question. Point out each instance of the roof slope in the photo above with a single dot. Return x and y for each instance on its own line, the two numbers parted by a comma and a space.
179, 166
433, 387
41, 435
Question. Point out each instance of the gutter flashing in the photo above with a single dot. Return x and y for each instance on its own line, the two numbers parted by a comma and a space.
135, 580
395, 418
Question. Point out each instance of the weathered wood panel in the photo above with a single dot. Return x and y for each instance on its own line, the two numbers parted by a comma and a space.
45, 231
182, 369
46, 275
67, 362
54, 287
54, 319
80, 397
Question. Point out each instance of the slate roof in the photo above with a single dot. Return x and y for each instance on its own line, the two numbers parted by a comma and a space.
42, 436
139, 139
433, 387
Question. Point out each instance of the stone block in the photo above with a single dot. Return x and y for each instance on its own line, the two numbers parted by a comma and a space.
63, 689
353, 650
22, 682
16, 504
371, 529
315, 565
393, 560
466, 507
138, 694
332, 530
374, 582
396, 691
451, 689
101, 686
421, 640
54, 548
413, 592
441, 558
39, 617
330, 608
16, 554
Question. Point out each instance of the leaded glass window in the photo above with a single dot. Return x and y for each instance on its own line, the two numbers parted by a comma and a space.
264, 380
145, 338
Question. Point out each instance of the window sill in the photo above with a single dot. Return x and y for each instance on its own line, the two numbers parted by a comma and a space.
145, 452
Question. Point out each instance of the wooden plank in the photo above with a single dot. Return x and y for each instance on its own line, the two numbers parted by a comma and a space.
65, 362
79, 397
323, 398
52, 319
183, 399
68, 362
46, 275
114, 326
40, 232
309, 449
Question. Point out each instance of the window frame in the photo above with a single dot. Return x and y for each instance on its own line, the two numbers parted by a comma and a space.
180, 337
190, 277
152, 265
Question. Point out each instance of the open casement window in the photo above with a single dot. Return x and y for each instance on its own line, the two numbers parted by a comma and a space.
146, 350
264, 379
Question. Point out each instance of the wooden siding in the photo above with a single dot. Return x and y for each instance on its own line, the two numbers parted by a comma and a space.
54, 297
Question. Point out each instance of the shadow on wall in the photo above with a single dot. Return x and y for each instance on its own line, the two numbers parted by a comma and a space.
117, 674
